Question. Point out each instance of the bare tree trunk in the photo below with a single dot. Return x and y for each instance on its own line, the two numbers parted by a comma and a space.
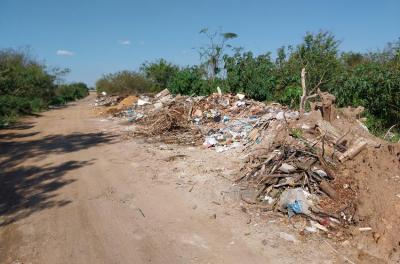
303, 98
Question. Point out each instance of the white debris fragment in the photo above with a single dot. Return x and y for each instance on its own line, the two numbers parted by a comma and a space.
287, 168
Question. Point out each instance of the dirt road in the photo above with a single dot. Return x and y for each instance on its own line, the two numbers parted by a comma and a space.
73, 192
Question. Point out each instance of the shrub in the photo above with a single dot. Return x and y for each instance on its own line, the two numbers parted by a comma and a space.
252, 75
374, 86
290, 96
123, 83
13, 106
189, 81
70, 92
159, 73
22, 76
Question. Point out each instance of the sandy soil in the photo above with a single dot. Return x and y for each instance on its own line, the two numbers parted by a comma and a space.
73, 192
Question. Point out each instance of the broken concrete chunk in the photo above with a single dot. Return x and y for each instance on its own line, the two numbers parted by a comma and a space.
280, 116
163, 93
240, 96
158, 105
141, 102
287, 168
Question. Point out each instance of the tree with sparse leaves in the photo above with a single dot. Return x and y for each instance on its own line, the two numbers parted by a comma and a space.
212, 53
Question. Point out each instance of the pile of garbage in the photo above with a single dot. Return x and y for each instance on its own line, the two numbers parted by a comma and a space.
290, 159
315, 165
219, 121
295, 176
107, 100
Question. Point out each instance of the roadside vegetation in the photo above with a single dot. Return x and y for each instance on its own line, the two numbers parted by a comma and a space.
27, 86
371, 80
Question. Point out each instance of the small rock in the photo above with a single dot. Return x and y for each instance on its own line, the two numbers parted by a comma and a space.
158, 105
280, 116
287, 237
240, 96
287, 168
311, 229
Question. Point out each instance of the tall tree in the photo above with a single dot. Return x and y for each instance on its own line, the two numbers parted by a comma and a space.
212, 53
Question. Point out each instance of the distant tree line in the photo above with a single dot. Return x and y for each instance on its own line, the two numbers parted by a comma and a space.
368, 79
27, 86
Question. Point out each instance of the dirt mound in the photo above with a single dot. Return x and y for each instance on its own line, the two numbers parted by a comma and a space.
127, 102
377, 172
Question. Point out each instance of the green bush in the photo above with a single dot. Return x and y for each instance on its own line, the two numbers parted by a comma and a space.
159, 73
22, 76
123, 83
251, 75
70, 92
374, 86
13, 106
290, 96
371, 80
58, 100
189, 81
27, 87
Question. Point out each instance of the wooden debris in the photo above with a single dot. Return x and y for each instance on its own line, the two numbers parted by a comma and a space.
327, 188
141, 212
327, 107
357, 147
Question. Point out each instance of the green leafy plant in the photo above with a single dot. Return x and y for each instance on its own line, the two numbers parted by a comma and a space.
159, 73
123, 83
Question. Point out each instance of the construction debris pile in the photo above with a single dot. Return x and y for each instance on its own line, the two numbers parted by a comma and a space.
292, 162
106, 100
218, 121
293, 171
289, 160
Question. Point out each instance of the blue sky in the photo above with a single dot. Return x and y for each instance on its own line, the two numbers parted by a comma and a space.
102, 36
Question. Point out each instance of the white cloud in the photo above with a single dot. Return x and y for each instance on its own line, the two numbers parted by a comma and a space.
65, 53
124, 42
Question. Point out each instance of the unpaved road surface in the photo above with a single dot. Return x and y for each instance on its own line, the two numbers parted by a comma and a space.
71, 191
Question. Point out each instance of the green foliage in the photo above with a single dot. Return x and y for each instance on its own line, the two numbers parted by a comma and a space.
318, 54
290, 96
159, 73
212, 53
296, 132
251, 75
25, 85
374, 86
70, 92
13, 106
123, 83
22, 76
189, 81
371, 80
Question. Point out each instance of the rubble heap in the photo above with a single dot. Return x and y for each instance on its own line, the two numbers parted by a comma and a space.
295, 163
